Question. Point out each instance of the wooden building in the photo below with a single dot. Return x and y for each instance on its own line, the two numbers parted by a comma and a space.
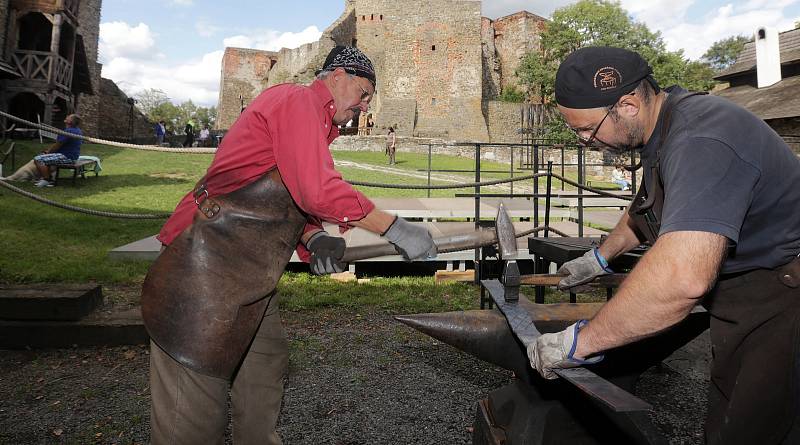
778, 103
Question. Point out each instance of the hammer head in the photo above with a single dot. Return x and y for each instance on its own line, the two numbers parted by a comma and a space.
506, 237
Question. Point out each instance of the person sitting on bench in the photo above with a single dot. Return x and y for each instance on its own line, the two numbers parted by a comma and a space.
65, 151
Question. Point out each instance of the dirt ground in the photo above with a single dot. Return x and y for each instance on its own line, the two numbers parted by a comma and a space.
354, 378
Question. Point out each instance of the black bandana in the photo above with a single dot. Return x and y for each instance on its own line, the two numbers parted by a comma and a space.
352, 60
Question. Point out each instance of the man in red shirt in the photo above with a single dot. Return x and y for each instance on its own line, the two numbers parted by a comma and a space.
208, 302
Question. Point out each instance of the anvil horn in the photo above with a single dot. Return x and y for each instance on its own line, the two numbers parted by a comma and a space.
483, 334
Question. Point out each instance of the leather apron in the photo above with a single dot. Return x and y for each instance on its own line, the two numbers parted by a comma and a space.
648, 204
204, 297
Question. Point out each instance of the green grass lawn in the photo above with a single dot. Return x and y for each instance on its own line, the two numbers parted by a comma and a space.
40, 243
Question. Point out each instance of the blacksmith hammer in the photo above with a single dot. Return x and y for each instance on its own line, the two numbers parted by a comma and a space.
507, 241
503, 235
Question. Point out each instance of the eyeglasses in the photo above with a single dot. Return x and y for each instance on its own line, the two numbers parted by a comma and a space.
364, 93
588, 142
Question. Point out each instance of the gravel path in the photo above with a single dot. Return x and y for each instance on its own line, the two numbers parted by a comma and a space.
354, 379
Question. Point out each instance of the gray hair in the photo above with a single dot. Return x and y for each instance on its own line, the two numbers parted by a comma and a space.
322, 75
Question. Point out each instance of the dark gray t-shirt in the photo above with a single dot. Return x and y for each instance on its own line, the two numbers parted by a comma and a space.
726, 171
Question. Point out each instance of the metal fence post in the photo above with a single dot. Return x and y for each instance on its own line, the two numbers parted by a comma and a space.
581, 181
429, 170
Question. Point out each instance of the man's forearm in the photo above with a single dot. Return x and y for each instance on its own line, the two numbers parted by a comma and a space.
659, 292
622, 239
376, 221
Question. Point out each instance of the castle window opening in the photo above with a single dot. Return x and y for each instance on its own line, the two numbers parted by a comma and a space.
381, 17
35, 33
363, 18
433, 101
372, 17
433, 47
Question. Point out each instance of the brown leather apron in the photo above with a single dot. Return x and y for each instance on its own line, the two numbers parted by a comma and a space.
205, 295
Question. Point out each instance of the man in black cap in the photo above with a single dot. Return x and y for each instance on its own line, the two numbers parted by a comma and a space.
720, 205
209, 301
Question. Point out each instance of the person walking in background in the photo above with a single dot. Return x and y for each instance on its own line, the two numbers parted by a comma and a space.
203, 137
391, 145
160, 132
189, 131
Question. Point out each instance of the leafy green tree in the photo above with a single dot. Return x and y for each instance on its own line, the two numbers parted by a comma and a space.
603, 23
723, 53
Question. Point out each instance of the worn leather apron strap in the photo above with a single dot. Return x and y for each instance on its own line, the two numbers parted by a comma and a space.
646, 209
205, 295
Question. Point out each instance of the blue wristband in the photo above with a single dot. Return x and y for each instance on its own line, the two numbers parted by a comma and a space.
602, 261
570, 356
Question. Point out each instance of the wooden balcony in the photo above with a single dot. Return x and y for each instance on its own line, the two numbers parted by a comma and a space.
48, 6
44, 67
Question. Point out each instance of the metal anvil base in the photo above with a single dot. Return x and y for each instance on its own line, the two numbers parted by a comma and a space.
532, 410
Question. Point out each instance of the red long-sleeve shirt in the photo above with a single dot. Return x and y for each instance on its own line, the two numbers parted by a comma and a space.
289, 126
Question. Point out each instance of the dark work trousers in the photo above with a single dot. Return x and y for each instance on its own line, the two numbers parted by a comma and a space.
755, 340
192, 408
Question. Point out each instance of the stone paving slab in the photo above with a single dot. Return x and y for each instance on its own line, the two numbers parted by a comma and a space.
48, 302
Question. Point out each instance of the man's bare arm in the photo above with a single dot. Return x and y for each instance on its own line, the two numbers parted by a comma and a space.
660, 291
622, 239
376, 221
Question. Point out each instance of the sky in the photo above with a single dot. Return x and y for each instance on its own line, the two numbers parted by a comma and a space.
177, 45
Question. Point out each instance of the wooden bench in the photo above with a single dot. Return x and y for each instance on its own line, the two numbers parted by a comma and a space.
79, 167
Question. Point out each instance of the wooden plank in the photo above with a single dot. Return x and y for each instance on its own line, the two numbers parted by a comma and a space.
443, 276
48, 302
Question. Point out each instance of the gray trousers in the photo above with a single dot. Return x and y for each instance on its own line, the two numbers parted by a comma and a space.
192, 408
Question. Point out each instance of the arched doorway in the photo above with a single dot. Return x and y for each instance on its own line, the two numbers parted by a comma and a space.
27, 106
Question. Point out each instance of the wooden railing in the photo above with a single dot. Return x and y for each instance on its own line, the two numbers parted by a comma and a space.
44, 66
48, 6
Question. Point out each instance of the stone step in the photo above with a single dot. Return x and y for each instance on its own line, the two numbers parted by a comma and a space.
48, 302
108, 326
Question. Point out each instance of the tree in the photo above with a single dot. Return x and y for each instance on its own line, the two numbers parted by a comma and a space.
604, 23
149, 100
723, 53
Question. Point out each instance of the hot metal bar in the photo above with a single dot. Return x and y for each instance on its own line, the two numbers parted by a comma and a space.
590, 383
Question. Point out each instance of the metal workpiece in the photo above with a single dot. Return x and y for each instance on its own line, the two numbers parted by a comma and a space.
532, 410
506, 236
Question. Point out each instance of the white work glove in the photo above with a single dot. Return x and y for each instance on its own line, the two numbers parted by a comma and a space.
583, 270
326, 253
556, 350
411, 241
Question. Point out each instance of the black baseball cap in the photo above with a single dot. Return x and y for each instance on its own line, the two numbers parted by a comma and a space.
352, 60
597, 76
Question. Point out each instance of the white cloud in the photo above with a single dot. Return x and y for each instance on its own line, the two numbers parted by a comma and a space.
118, 39
132, 60
205, 29
680, 31
270, 40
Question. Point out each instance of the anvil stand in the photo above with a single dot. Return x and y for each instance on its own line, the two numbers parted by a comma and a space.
532, 410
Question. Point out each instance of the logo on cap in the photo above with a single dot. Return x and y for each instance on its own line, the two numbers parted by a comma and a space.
607, 78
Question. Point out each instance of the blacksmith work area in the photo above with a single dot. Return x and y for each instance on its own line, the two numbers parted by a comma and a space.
421, 222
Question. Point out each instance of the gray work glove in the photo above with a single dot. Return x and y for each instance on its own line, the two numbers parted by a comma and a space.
411, 241
556, 350
583, 270
326, 253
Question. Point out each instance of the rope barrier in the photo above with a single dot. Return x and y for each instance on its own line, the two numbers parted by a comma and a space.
192, 150
72, 208
449, 186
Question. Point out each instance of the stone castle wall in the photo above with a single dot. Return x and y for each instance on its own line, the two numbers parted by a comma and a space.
514, 36
88, 105
504, 120
116, 116
244, 74
438, 64
428, 52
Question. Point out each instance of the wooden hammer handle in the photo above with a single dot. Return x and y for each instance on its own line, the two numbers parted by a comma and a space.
613, 280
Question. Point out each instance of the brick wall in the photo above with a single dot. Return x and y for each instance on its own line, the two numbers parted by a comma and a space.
515, 35
88, 105
244, 73
504, 121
